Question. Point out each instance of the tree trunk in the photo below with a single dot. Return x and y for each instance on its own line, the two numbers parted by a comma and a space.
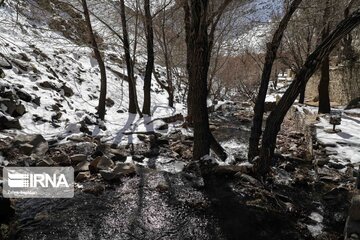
302, 95
133, 103
150, 57
102, 100
312, 63
323, 88
198, 47
270, 57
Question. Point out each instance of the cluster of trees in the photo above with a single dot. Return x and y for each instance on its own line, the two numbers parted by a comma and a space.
193, 36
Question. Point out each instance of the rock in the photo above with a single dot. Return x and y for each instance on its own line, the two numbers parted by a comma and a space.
26, 148
94, 189
41, 146
119, 154
62, 160
354, 212
104, 163
162, 187
37, 101
82, 176
13, 108
48, 85
355, 103
23, 95
82, 167
247, 178
109, 102
164, 126
41, 216
138, 158
77, 158
56, 116
68, 92
143, 138
100, 163
120, 170
46, 162
9, 123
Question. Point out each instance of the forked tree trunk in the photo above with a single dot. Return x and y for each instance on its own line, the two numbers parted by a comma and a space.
133, 103
312, 63
150, 58
199, 44
270, 57
101, 107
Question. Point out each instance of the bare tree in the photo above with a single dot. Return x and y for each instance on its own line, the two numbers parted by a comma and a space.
99, 59
200, 40
150, 57
270, 57
133, 103
312, 63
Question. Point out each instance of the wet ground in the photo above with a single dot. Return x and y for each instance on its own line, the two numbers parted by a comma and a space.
297, 201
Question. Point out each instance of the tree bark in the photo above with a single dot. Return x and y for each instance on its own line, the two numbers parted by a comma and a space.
150, 57
311, 64
270, 57
323, 88
133, 103
199, 44
302, 95
198, 47
102, 100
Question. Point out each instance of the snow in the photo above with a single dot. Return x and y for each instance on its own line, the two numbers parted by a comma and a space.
317, 228
72, 65
344, 144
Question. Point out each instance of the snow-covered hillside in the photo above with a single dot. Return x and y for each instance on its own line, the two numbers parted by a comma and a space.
59, 81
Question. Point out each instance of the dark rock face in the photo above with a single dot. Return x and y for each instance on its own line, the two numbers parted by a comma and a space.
355, 103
